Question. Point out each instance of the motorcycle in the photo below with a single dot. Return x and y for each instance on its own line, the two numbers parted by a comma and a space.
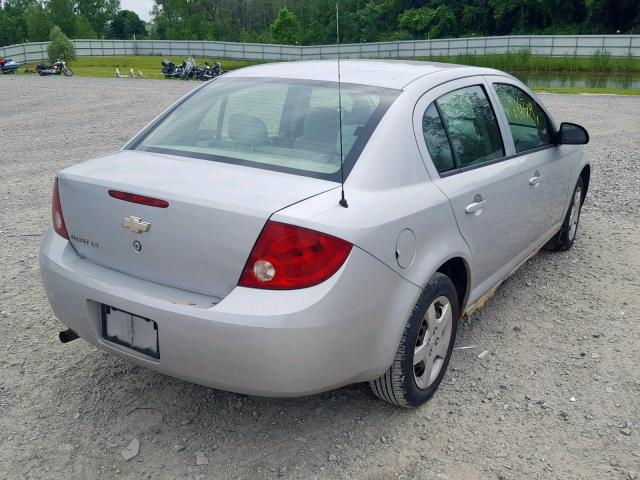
171, 70
189, 69
168, 68
56, 69
8, 66
210, 71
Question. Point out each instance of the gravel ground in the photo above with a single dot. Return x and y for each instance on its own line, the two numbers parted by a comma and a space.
557, 395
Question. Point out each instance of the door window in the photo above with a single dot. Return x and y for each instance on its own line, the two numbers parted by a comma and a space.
528, 123
471, 125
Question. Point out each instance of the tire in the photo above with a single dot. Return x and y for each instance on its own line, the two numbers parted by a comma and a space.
434, 316
563, 240
67, 72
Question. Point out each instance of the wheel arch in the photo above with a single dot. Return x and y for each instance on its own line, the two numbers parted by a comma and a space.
585, 175
457, 269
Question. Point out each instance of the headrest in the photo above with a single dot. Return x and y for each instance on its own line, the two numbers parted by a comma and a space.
360, 112
247, 129
321, 123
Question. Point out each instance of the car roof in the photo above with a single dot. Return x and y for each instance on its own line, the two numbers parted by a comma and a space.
394, 74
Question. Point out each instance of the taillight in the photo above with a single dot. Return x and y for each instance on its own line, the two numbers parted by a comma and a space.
139, 199
56, 213
288, 257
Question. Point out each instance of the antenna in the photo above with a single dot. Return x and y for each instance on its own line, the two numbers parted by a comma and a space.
343, 201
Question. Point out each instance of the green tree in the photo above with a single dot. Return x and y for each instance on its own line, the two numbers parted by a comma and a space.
476, 19
309, 22
97, 12
60, 48
428, 22
125, 25
38, 24
286, 28
13, 27
611, 16
518, 16
61, 14
7, 29
561, 14
83, 28
367, 24
314, 34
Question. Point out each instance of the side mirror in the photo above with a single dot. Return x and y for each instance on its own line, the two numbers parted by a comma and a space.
572, 134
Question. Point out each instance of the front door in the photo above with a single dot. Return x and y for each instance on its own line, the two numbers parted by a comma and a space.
532, 133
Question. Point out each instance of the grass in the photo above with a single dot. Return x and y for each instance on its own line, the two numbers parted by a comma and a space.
576, 90
517, 61
524, 61
149, 65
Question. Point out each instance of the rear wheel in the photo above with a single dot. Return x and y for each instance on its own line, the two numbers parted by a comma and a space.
564, 239
425, 348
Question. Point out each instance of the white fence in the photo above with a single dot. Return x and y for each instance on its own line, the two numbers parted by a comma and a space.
553, 45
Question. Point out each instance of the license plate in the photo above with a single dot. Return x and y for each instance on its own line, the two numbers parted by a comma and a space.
131, 331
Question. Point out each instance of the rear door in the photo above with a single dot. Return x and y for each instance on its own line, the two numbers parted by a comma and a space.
531, 130
461, 138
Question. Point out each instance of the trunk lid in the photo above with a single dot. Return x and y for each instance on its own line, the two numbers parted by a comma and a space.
201, 241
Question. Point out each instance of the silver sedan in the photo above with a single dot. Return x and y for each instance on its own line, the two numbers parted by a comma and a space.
278, 233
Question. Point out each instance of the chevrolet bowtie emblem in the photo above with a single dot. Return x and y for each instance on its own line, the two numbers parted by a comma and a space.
135, 225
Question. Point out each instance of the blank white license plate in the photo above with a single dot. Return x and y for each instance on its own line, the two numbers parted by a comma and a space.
124, 328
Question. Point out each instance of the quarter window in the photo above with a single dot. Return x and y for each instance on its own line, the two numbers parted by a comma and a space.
471, 125
528, 123
437, 142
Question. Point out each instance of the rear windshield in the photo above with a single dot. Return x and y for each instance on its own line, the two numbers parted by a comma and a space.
275, 124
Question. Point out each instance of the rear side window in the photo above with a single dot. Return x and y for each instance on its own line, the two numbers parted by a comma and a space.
528, 123
472, 126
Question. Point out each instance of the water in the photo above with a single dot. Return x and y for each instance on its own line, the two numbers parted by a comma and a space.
580, 80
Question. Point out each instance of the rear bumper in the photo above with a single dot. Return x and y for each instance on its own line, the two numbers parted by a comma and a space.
259, 342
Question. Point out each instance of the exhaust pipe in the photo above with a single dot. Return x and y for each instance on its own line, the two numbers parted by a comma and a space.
67, 335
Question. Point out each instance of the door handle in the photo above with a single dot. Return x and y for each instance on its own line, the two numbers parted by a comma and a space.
476, 206
535, 180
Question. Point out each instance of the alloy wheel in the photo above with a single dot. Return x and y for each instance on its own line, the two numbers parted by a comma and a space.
432, 342
574, 216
